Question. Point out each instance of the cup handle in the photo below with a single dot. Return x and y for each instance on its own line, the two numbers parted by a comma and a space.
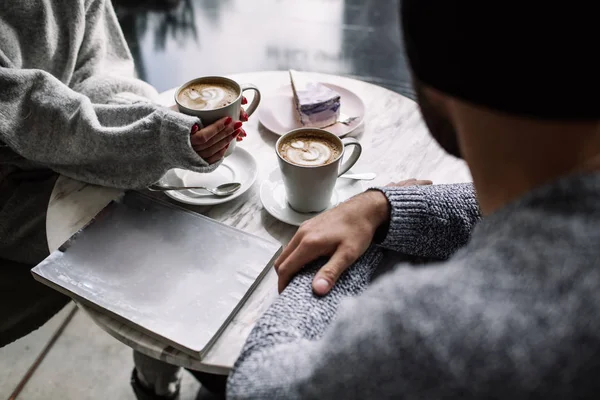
353, 158
252, 107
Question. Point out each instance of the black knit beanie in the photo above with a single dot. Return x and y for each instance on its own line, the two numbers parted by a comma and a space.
537, 59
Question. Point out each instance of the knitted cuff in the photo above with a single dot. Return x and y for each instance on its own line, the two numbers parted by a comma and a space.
408, 212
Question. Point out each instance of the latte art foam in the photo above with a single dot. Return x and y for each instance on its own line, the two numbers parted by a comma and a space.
206, 96
309, 151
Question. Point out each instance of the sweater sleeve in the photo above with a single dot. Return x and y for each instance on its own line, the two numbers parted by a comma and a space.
274, 362
123, 146
105, 71
429, 221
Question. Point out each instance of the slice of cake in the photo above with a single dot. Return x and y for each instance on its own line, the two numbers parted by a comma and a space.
317, 106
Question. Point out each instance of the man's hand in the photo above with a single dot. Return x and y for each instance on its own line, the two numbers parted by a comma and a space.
344, 233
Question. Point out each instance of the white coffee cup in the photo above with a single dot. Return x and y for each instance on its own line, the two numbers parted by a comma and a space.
309, 188
232, 110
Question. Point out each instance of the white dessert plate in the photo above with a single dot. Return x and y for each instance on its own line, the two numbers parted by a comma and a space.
272, 195
238, 167
278, 113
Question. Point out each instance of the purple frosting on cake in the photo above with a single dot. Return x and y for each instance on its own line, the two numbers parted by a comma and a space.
317, 105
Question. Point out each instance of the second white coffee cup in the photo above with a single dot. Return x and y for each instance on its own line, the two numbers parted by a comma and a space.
309, 187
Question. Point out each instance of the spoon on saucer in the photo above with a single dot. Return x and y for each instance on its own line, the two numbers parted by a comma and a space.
223, 190
367, 176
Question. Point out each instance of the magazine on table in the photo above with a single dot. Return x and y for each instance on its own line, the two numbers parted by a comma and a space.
173, 274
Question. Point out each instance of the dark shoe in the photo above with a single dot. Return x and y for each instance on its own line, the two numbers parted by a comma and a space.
144, 393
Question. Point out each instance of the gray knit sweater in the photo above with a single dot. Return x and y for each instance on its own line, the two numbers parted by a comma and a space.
69, 100
513, 314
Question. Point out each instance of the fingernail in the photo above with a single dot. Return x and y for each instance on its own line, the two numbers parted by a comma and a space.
228, 120
239, 139
245, 117
321, 286
237, 125
244, 100
195, 128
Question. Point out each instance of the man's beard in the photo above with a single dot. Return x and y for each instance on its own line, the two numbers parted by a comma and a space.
438, 124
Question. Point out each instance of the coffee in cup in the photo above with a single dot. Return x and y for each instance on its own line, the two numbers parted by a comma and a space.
214, 97
311, 161
310, 149
207, 96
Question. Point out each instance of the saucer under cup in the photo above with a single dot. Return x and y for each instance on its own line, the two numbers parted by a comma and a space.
274, 199
238, 167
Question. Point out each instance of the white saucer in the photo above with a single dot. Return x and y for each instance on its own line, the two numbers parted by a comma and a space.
272, 195
238, 167
278, 113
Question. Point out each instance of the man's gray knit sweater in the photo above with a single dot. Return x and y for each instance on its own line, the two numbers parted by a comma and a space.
69, 100
513, 314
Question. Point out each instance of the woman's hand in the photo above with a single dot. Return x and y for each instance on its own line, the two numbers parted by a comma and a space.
212, 142
243, 118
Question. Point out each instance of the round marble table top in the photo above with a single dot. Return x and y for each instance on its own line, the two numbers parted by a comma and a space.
396, 146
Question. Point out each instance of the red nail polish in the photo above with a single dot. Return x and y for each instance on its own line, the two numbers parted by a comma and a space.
195, 128
244, 100
228, 120
237, 125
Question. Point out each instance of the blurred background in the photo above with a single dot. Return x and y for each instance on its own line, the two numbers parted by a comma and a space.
173, 41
